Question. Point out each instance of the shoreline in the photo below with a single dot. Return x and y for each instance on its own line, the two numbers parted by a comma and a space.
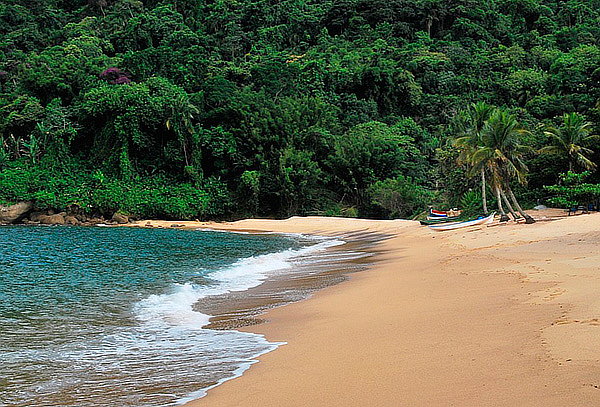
242, 311
424, 324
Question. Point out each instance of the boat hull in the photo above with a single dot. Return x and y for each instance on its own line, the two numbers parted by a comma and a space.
464, 224
434, 221
435, 214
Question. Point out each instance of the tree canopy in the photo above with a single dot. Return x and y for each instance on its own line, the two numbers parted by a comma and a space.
228, 109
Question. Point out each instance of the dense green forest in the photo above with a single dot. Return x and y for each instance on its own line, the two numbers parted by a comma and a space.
229, 108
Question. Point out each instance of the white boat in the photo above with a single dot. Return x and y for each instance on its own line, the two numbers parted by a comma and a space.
458, 225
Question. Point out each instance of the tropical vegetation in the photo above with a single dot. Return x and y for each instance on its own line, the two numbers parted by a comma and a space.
224, 109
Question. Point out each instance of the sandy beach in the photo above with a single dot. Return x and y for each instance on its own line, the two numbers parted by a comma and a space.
507, 315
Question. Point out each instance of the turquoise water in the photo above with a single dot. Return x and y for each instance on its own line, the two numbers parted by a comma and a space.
103, 316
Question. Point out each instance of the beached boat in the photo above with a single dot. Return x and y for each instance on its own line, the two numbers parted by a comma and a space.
434, 221
435, 214
459, 225
453, 217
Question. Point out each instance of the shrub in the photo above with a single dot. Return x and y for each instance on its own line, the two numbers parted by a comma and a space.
150, 197
399, 197
471, 203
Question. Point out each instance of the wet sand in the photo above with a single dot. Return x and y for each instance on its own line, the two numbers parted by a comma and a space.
497, 316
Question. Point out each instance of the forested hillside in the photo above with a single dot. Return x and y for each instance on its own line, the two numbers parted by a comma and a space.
228, 108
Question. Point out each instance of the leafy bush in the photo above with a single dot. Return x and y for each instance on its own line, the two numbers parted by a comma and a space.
471, 203
399, 197
572, 191
156, 197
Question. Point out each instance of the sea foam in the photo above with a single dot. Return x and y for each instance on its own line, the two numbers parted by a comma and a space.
175, 308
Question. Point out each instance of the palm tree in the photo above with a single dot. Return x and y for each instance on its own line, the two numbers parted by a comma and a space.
469, 125
181, 122
509, 206
502, 154
568, 140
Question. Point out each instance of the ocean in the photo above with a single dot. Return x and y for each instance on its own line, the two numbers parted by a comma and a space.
109, 316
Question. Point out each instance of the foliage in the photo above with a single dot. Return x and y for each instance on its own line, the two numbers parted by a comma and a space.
98, 193
572, 190
291, 107
470, 204
399, 197
569, 139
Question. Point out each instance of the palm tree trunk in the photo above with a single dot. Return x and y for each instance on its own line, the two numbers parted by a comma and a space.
483, 191
503, 216
528, 219
509, 206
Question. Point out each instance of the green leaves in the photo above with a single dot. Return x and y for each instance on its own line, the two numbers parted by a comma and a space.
299, 105
399, 197
96, 192
141, 120
572, 191
373, 151
569, 141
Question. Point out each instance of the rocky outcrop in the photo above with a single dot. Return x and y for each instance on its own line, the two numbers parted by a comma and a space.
14, 213
37, 216
58, 219
95, 221
73, 215
71, 220
120, 218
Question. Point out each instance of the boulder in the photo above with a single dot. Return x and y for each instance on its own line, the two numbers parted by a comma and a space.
120, 218
71, 220
52, 220
14, 213
36, 216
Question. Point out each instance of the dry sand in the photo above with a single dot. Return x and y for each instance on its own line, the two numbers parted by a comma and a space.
498, 316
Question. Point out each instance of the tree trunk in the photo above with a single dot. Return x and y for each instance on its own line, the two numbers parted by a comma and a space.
528, 219
503, 216
509, 206
483, 191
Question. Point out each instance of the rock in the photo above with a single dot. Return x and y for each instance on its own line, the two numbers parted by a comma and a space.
95, 221
57, 219
14, 213
120, 218
71, 220
175, 225
540, 207
36, 216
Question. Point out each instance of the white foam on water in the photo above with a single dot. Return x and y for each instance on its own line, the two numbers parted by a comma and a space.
244, 365
175, 309
172, 313
165, 354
